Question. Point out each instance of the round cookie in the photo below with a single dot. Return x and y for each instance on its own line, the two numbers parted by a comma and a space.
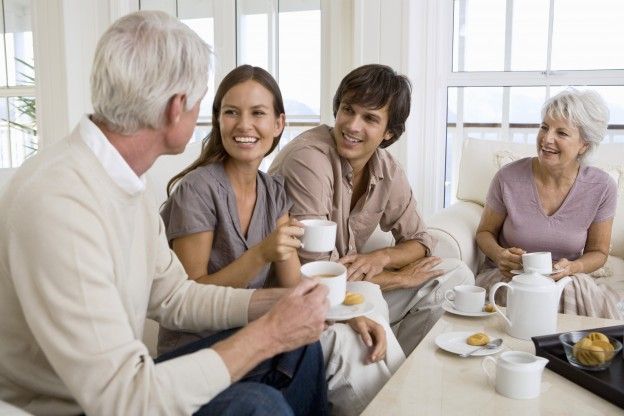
352, 298
479, 339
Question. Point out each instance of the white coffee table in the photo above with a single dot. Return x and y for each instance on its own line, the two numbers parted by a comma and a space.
436, 382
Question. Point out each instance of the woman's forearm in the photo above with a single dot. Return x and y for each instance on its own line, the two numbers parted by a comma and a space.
488, 245
238, 273
589, 262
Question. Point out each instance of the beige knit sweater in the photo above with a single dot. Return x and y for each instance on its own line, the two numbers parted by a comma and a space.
82, 263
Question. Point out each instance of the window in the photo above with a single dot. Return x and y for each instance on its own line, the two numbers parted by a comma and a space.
283, 37
18, 127
509, 56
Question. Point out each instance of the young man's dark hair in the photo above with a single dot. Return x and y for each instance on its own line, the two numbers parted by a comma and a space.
373, 86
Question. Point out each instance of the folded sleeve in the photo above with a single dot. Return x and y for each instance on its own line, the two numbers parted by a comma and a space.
283, 203
308, 179
308, 176
190, 209
608, 202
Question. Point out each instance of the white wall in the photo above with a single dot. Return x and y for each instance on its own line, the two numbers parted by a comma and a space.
66, 36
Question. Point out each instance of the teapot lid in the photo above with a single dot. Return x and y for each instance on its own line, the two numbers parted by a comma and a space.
533, 279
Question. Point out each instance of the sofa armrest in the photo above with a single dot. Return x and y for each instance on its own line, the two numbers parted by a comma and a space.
455, 228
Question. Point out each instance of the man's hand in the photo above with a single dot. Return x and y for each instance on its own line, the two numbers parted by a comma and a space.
419, 272
373, 335
509, 259
298, 318
365, 266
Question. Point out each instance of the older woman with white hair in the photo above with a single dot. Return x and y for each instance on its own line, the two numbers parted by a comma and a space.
558, 203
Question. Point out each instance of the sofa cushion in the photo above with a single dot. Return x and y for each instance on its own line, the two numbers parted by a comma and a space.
615, 275
480, 160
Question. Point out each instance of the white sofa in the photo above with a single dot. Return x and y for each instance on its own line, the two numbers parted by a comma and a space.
455, 226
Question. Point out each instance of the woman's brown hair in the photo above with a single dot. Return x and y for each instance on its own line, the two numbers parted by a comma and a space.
212, 145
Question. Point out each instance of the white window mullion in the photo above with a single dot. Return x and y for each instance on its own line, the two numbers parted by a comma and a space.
273, 40
551, 20
507, 67
224, 38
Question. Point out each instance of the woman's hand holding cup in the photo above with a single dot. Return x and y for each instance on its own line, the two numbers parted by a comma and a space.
282, 243
509, 259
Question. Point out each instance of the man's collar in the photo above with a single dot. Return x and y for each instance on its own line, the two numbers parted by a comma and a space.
112, 161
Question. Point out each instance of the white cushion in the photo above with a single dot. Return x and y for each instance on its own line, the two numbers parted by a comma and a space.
480, 160
615, 274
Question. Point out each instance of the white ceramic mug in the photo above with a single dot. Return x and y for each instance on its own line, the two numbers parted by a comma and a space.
466, 298
540, 262
518, 374
319, 236
333, 275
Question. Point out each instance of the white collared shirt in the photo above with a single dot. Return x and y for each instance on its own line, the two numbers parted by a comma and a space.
112, 161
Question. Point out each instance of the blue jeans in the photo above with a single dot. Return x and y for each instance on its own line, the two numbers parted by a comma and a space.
291, 383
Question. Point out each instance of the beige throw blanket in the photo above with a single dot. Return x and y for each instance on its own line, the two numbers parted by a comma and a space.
583, 296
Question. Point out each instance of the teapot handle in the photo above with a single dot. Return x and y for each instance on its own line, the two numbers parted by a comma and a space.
493, 297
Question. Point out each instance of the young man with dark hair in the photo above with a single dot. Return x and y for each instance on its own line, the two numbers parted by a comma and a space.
344, 174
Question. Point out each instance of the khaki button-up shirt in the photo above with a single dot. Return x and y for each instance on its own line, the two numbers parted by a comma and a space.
320, 184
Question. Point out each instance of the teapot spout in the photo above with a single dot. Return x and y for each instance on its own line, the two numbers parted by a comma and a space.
561, 283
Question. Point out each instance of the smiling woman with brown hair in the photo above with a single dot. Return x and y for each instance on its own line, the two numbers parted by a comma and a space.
555, 202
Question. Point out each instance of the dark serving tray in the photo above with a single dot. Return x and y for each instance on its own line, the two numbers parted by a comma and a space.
608, 383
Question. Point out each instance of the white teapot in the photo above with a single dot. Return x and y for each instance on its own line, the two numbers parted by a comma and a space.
532, 304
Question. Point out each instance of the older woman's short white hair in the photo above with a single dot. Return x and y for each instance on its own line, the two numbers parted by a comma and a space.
585, 109
141, 62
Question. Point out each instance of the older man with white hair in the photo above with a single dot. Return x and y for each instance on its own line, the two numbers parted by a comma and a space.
84, 260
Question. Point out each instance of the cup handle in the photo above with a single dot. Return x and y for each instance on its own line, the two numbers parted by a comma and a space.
484, 366
447, 294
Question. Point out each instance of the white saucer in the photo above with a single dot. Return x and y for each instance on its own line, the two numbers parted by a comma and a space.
455, 342
342, 312
522, 271
449, 308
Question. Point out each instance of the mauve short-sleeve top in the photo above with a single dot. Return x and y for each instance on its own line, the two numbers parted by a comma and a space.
592, 199
205, 201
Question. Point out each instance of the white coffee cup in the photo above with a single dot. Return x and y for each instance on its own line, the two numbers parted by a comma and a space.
333, 275
466, 298
540, 262
319, 236
518, 374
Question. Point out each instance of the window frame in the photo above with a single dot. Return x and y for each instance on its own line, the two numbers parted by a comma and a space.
20, 90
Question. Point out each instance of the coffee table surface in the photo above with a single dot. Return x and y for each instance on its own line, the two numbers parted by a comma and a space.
435, 382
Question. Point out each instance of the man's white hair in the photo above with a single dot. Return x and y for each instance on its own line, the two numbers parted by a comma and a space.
141, 62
